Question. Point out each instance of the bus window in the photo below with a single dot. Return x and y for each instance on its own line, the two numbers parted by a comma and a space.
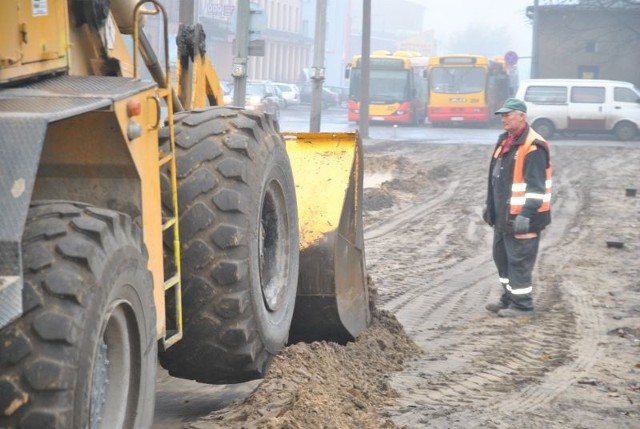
458, 80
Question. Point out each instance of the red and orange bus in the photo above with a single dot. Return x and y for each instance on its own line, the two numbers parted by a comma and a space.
467, 88
397, 87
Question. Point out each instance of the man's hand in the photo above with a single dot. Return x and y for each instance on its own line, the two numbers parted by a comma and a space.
521, 225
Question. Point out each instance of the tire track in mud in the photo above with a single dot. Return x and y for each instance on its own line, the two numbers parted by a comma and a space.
387, 227
585, 318
588, 319
430, 260
473, 362
517, 357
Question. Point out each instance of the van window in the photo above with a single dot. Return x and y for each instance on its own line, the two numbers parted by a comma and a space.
546, 94
587, 94
625, 95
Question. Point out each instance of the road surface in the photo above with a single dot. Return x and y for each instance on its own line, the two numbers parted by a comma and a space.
434, 358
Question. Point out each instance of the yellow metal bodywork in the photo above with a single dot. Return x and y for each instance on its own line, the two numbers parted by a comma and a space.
89, 158
204, 84
170, 281
86, 51
34, 38
332, 300
145, 155
322, 165
95, 158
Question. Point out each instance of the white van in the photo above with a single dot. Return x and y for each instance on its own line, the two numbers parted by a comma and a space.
581, 105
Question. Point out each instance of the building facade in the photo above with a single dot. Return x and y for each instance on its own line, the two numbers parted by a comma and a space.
588, 40
288, 30
287, 46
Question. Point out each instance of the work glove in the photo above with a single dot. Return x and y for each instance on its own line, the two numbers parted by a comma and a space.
521, 225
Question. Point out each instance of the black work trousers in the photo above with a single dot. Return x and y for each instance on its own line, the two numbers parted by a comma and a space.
515, 259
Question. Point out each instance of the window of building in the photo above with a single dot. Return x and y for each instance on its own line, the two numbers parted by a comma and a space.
588, 72
592, 47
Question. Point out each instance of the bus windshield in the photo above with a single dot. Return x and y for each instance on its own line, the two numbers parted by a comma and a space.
457, 80
385, 86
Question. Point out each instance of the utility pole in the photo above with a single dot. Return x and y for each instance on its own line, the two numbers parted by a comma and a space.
187, 16
187, 12
365, 60
241, 53
534, 41
318, 66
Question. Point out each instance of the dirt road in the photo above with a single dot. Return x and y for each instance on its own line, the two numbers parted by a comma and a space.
434, 358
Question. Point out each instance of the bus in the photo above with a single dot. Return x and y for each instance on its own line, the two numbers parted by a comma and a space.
397, 87
467, 88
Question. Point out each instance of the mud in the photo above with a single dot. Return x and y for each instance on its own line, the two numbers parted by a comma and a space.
433, 357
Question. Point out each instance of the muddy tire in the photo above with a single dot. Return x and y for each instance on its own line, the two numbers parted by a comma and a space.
239, 236
84, 353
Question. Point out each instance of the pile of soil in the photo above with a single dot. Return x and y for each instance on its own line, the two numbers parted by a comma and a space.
326, 385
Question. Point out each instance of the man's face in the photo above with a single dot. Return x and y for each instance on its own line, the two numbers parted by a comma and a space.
512, 121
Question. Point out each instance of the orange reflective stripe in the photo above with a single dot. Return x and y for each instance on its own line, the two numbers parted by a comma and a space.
519, 192
496, 154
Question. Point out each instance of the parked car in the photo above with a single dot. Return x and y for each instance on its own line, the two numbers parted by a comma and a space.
329, 98
290, 93
262, 96
582, 105
343, 94
281, 100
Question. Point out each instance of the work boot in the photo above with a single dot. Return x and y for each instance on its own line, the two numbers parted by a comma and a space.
495, 307
515, 312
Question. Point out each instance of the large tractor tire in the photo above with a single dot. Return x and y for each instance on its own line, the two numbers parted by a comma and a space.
84, 353
239, 235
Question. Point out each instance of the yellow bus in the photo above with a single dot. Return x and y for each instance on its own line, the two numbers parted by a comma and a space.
467, 88
397, 87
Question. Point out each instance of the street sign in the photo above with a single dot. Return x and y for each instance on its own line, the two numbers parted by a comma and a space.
220, 11
511, 58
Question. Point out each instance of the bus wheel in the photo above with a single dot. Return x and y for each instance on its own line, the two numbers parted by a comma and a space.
544, 127
625, 131
84, 353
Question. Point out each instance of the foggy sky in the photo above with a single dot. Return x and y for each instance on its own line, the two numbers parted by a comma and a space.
500, 17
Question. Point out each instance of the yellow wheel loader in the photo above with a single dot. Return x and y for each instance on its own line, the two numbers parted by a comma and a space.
144, 222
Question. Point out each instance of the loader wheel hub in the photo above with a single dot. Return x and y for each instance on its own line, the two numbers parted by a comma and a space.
272, 244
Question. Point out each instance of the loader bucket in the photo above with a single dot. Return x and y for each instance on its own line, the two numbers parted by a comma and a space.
332, 303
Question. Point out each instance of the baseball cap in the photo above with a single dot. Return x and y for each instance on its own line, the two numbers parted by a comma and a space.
512, 104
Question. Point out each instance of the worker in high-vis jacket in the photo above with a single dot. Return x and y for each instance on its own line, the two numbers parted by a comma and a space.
518, 207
